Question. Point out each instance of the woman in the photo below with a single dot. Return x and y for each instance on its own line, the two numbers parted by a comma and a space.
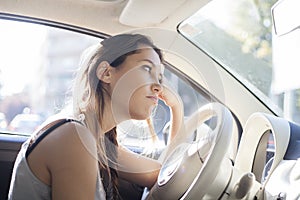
79, 157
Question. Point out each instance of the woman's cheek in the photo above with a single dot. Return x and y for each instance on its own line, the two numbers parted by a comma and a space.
124, 89
139, 106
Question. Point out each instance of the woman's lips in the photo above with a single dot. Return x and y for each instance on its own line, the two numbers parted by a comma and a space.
153, 98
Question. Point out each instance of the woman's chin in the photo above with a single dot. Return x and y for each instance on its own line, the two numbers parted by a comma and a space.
142, 115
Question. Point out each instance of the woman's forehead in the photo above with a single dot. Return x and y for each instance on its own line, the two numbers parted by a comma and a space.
147, 54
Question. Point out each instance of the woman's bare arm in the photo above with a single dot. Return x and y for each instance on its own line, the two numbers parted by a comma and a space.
136, 168
172, 99
143, 170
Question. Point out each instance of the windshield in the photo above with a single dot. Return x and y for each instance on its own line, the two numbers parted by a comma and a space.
238, 35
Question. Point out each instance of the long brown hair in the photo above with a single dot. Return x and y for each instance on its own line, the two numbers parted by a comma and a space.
89, 93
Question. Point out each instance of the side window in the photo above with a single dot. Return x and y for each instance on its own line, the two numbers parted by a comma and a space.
37, 64
37, 67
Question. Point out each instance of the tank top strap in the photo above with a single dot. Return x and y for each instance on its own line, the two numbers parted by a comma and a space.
44, 133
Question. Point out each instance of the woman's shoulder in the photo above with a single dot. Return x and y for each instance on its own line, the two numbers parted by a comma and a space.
69, 154
70, 134
66, 140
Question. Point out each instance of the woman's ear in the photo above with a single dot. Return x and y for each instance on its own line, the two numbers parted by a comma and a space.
103, 72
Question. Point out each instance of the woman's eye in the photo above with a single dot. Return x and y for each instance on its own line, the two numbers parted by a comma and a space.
147, 68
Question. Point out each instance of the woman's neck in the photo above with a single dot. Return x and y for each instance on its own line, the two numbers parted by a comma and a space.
108, 121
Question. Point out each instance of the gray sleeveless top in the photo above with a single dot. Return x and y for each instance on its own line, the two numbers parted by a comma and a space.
25, 185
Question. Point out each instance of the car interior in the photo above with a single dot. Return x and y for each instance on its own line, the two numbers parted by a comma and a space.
236, 143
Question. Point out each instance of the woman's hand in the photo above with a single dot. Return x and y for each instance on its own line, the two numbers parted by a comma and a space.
170, 97
173, 100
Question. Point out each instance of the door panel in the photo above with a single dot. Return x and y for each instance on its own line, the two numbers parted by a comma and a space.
9, 148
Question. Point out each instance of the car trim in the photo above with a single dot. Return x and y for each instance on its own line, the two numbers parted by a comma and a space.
54, 24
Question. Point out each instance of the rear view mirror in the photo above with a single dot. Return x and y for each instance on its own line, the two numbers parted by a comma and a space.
286, 16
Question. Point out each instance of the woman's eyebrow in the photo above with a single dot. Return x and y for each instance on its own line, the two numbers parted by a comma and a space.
150, 61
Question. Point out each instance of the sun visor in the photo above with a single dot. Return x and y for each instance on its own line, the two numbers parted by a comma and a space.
141, 13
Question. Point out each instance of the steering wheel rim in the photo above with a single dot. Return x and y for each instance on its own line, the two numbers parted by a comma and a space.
201, 159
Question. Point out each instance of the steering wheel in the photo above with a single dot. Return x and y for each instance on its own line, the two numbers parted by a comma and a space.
197, 168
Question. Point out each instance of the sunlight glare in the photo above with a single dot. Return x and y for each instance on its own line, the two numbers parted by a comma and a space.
19, 63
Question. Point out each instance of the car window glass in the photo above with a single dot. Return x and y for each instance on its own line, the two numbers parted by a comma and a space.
37, 67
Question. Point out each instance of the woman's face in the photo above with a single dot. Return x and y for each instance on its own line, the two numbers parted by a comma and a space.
136, 85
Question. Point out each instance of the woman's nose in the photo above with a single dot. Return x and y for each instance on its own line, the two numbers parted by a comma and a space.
156, 88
